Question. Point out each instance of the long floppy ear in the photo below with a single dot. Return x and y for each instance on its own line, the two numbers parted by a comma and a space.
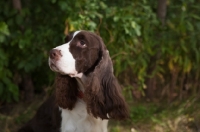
66, 91
103, 93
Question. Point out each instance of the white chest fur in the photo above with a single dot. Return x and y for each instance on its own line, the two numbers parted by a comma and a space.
78, 120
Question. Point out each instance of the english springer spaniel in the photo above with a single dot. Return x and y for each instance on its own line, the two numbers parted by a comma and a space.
87, 93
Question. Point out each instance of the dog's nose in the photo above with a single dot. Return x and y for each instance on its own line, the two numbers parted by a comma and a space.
55, 54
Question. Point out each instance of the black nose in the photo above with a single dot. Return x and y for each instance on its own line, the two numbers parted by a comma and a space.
55, 54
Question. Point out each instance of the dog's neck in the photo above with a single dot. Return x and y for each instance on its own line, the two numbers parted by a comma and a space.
81, 82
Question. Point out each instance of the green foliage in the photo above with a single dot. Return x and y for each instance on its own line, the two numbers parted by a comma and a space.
143, 112
25, 50
139, 45
3, 31
8, 90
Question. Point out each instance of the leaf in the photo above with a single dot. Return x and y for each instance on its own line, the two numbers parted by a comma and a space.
133, 24
4, 29
187, 65
137, 30
103, 5
116, 19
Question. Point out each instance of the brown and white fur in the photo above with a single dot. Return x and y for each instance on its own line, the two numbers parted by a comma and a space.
87, 93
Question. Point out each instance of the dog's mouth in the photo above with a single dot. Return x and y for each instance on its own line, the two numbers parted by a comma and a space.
53, 66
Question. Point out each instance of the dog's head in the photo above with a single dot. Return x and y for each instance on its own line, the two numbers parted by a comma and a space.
79, 55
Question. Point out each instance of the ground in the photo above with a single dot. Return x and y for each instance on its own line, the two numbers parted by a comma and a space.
144, 116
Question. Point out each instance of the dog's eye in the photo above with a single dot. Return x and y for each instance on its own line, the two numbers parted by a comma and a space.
82, 44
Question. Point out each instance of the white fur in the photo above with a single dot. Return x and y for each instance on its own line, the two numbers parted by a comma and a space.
66, 63
78, 119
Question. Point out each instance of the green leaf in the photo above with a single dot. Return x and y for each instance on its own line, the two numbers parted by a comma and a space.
133, 24
4, 29
103, 5
137, 30
116, 19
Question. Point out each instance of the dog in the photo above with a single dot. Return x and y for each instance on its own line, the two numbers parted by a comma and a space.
87, 93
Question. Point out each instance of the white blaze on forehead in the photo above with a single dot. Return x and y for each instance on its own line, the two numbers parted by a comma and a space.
66, 64
75, 33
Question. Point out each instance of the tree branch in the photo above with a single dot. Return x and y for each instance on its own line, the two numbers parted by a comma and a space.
17, 5
162, 10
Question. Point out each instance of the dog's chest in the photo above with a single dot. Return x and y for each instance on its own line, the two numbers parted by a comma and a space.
78, 120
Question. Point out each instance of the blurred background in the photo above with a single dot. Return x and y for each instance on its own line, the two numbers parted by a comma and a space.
154, 45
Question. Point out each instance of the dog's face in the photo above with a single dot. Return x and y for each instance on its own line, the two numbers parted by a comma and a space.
77, 56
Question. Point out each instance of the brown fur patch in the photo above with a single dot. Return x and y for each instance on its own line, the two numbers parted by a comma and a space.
66, 91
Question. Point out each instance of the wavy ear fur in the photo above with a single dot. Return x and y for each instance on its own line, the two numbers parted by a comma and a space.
66, 91
103, 93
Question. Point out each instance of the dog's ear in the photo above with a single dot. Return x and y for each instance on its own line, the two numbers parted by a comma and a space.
66, 91
115, 104
103, 92
69, 37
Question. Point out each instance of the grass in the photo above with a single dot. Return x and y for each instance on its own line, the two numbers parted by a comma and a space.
161, 117
144, 116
